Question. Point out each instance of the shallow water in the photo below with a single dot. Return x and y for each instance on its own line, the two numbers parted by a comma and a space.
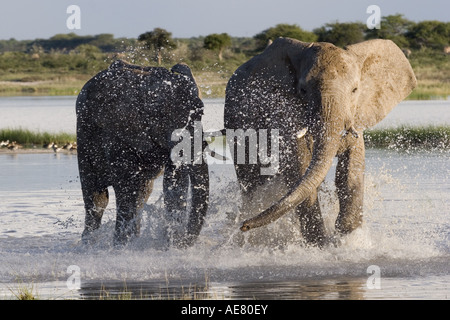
56, 114
405, 237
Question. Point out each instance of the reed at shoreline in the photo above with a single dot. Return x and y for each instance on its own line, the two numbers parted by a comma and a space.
404, 137
31, 139
434, 137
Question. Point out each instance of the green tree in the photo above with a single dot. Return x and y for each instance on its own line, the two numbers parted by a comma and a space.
217, 42
341, 34
393, 27
431, 34
158, 40
284, 30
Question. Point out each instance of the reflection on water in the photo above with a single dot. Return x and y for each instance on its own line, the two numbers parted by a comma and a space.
344, 288
35, 172
56, 114
354, 289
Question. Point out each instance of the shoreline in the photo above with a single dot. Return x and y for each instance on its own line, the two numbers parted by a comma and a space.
209, 84
35, 151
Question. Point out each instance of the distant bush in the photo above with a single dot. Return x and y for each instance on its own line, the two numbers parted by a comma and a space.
429, 34
341, 34
393, 27
71, 55
284, 30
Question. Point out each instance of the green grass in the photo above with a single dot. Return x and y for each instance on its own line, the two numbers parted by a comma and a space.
430, 89
24, 292
29, 138
431, 68
401, 137
434, 137
428, 137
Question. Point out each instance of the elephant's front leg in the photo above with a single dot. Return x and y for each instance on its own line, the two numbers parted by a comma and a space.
311, 221
130, 198
350, 187
199, 177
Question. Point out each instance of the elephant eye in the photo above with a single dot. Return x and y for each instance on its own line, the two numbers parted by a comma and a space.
302, 91
354, 90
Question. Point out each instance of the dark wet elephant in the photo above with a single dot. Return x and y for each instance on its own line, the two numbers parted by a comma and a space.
126, 116
320, 98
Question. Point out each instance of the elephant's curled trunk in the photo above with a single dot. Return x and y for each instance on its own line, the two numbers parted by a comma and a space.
324, 150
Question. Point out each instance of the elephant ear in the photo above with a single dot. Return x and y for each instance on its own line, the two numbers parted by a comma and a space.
386, 79
184, 69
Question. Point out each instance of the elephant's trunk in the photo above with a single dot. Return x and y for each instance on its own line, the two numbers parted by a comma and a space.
325, 148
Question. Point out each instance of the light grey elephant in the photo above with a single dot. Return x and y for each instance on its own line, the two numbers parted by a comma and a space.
126, 117
320, 98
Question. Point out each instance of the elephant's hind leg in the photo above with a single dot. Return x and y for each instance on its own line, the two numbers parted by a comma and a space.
95, 205
350, 187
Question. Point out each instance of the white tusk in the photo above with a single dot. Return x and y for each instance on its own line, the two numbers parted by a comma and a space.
353, 131
302, 133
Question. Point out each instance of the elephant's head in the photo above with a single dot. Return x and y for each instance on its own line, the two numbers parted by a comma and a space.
337, 91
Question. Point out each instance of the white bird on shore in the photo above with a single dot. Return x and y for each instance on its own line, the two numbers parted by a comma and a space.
56, 148
68, 146
4, 143
13, 146
49, 145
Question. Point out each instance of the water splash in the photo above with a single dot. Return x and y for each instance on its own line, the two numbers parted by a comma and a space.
405, 232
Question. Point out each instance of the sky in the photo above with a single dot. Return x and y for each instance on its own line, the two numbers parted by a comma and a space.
31, 19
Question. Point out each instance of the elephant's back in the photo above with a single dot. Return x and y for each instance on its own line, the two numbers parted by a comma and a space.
124, 97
